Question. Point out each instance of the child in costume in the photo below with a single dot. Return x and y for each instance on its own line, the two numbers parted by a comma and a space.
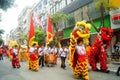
15, 59
33, 58
78, 62
81, 68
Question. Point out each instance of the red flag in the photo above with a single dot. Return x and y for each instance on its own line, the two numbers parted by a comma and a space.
31, 31
49, 31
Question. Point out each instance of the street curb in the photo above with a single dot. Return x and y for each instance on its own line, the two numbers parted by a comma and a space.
116, 63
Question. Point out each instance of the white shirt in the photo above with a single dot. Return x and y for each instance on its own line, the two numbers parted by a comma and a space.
41, 51
31, 50
63, 52
15, 51
47, 50
54, 50
81, 50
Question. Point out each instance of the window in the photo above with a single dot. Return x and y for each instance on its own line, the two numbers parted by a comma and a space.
45, 2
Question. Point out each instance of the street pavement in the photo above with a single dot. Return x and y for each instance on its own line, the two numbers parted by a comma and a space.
50, 73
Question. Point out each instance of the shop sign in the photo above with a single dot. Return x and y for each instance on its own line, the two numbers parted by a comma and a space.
116, 19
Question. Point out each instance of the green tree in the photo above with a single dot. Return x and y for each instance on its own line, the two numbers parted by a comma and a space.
22, 38
39, 36
1, 31
56, 19
103, 6
1, 41
5, 4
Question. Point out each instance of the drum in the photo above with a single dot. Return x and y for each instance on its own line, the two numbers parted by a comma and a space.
50, 59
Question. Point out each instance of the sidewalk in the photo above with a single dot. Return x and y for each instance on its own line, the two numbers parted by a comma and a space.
113, 67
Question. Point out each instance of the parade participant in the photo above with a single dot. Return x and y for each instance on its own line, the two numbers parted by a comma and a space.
81, 57
33, 58
99, 49
47, 53
1, 54
50, 57
41, 56
81, 31
63, 55
15, 59
54, 51
23, 53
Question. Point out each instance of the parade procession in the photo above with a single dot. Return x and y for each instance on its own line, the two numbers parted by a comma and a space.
54, 40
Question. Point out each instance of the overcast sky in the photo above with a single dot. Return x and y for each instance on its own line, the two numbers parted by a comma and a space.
9, 18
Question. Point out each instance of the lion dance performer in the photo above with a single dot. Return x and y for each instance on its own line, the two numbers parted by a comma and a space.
99, 49
15, 59
23, 53
33, 58
77, 60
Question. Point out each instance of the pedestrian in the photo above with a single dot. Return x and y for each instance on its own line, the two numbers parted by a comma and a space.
118, 70
117, 47
41, 56
63, 55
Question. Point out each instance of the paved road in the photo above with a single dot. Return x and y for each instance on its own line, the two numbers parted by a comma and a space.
46, 73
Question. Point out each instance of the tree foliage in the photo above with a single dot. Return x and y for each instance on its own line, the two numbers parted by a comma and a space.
103, 6
106, 4
39, 36
1, 31
56, 19
1, 41
5, 4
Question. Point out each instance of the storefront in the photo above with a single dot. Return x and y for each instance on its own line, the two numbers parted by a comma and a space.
67, 31
97, 24
66, 36
115, 24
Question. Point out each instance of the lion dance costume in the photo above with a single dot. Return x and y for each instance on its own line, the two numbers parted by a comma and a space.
23, 53
14, 60
81, 31
33, 59
99, 49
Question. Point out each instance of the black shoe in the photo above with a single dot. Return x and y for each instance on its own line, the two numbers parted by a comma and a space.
42, 65
14, 67
105, 71
117, 74
18, 67
97, 70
